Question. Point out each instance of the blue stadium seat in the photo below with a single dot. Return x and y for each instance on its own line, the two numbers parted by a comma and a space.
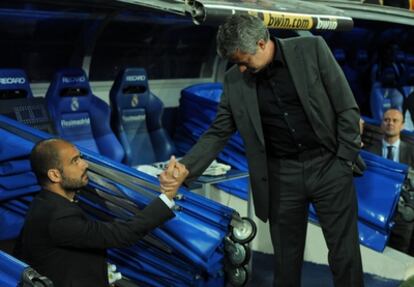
340, 56
80, 116
408, 91
408, 88
385, 94
362, 61
354, 64
136, 119
17, 101
349, 71
14, 84
14, 272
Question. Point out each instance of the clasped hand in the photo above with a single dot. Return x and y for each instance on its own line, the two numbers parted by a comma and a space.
172, 177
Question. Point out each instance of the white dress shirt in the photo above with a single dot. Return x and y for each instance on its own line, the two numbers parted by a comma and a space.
170, 203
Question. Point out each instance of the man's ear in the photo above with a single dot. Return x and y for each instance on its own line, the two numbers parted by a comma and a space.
262, 44
54, 175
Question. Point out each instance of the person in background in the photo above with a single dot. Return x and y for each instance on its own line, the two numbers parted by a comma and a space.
58, 239
391, 147
293, 107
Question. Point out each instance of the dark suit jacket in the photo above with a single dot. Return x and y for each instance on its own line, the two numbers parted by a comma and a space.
406, 152
326, 98
61, 242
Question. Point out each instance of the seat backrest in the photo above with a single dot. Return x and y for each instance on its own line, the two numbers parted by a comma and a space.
14, 84
339, 55
80, 116
14, 272
385, 94
136, 119
408, 88
362, 60
18, 103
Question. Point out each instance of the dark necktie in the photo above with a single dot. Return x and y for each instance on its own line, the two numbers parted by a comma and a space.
390, 153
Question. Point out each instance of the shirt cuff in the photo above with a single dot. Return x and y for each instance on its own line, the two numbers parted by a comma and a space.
170, 203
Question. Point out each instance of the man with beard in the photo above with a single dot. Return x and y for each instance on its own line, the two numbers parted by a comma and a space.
58, 239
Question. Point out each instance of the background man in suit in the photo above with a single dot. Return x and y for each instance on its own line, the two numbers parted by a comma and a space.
299, 121
58, 239
392, 148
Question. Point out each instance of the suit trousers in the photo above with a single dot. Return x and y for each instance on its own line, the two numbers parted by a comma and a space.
401, 237
326, 181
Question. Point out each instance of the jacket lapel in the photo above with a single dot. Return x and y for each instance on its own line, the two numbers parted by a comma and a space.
249, 94
296, 63
403, 152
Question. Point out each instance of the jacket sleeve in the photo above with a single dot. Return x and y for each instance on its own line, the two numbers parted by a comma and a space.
343, 102
212, 141
70, 227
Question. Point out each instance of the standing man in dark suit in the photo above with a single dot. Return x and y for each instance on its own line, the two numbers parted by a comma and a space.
391, 147
299, 121
58, 239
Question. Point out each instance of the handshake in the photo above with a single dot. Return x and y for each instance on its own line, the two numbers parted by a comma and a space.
172, 177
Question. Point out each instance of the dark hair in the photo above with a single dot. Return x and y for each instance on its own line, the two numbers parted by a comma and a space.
240, 33
45, 156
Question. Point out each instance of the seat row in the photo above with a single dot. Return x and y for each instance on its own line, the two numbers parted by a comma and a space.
129, 130
389, 79
392, 83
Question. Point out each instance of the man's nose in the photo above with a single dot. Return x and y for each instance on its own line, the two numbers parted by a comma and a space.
85, 164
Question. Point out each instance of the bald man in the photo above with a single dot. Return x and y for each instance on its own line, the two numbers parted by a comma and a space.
58, 239
391, 146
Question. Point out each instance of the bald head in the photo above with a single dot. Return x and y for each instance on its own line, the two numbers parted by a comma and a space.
46, 155
392, 125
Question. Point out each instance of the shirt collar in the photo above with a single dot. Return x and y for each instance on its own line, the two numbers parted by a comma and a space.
278, 60
278, 56
396, 144
50, 195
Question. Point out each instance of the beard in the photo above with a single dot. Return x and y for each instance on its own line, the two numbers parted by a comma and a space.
254, 70
73, 184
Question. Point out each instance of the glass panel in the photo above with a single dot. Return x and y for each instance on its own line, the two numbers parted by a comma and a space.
39, 41
168, 47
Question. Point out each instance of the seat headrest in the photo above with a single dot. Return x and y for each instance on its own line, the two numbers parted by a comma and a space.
410, 76
399, 56
362, 57
409, 59
211, 92
389, 77
130, 89
339, 55
14, 84
72, 82
70, 91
